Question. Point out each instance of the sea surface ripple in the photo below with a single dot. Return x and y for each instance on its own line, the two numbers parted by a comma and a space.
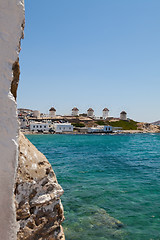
107, 177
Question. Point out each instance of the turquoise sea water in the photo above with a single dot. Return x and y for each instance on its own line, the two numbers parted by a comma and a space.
106, 178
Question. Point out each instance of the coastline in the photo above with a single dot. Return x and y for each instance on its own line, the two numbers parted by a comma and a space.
80, 133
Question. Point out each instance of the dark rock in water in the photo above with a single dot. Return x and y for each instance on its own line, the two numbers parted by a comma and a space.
101, 217
97, 221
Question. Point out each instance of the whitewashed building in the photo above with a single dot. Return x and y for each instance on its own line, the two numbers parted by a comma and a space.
105, 113
100, 129
52, 112
75, 111
36, 114
90, 112
123, 115
62, 127
40, 126
23, 122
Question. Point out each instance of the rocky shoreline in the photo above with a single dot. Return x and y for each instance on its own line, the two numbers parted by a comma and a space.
78, 133
37, 196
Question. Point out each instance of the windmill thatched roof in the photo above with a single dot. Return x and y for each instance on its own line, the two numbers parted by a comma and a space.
75, 109
90, 110
123, 112
52, 109
105, 109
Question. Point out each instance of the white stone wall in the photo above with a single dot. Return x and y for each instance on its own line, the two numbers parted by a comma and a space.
123, 116
63, 127
105, 114
75, 112
52, 114
35, 126
11, 31
90, 113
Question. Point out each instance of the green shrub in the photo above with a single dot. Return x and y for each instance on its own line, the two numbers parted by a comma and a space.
101, 122
126, 125
78, 124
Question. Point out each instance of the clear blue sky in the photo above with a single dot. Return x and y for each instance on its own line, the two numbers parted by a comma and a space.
92, 53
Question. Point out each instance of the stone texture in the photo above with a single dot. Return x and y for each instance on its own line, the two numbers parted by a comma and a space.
37, 196
148, 127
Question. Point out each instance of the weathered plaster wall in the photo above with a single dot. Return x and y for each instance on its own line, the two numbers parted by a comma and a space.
11, 31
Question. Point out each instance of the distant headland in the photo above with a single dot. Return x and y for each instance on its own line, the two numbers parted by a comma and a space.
33, 121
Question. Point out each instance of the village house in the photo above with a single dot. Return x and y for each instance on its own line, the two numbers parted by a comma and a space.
23, 122
100, 129
62, 127
40, 126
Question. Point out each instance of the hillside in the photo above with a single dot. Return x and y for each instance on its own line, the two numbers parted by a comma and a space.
125, 125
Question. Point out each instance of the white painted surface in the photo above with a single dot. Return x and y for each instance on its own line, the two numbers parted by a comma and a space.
100, 129
123, 116
38, 126
23, 122
105, 114
63, 127
75, 112
52, 114
90, 113
11, 19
